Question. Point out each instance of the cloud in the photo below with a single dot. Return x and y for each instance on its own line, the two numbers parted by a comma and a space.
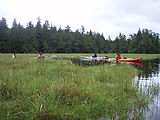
127, 16
109, 17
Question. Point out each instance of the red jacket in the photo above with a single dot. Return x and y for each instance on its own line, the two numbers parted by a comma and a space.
119, 57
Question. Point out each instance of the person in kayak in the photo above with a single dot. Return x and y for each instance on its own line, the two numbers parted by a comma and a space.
41, 55
95, 55
119, 57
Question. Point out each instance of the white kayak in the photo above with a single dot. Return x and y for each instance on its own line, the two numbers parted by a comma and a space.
90, 58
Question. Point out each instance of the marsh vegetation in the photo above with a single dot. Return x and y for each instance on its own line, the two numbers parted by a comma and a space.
47, 88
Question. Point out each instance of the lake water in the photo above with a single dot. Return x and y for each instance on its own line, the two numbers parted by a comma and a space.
149, 80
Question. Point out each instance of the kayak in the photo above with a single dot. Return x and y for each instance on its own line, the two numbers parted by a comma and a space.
48, 57
124, 60
90, 58
53, 57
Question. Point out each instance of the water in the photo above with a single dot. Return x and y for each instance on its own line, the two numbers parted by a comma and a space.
149, 80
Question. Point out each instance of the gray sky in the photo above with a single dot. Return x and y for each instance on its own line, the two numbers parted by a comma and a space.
109, 17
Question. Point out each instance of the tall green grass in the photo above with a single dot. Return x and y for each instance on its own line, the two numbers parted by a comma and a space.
58, 89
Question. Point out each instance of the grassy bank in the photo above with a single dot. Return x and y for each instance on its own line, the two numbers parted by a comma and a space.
44, 89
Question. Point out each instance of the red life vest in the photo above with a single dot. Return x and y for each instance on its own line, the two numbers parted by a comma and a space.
41, 56
119, 57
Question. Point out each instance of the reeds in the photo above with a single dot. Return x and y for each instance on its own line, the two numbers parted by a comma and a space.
58, 89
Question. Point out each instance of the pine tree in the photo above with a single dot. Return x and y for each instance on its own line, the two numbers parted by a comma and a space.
39, 40
4, 32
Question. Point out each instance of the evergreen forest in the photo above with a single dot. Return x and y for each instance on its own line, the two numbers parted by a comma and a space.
50, 39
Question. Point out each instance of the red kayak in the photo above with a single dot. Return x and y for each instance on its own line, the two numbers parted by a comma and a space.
125, 60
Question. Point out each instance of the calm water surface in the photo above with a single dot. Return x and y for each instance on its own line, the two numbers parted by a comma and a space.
149, 80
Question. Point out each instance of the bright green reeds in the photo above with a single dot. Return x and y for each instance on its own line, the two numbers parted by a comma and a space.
47, 88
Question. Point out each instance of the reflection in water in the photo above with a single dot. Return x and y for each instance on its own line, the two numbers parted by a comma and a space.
150, 68
149, 80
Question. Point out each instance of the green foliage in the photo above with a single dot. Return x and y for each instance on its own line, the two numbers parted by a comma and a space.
46, 38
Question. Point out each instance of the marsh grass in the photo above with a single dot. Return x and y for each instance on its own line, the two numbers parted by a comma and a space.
58, 89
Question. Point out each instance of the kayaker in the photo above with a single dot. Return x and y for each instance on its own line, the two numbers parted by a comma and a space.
95, 55
119, 57
41, 55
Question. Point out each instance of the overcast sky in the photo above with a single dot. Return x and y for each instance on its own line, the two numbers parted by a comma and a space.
109, 17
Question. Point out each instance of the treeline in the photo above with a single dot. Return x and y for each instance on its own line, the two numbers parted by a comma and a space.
47, 38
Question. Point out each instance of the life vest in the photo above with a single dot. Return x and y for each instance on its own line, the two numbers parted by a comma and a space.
119, 57
41, 56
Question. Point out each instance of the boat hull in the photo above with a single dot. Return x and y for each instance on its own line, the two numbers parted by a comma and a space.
83, 58
125, 60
